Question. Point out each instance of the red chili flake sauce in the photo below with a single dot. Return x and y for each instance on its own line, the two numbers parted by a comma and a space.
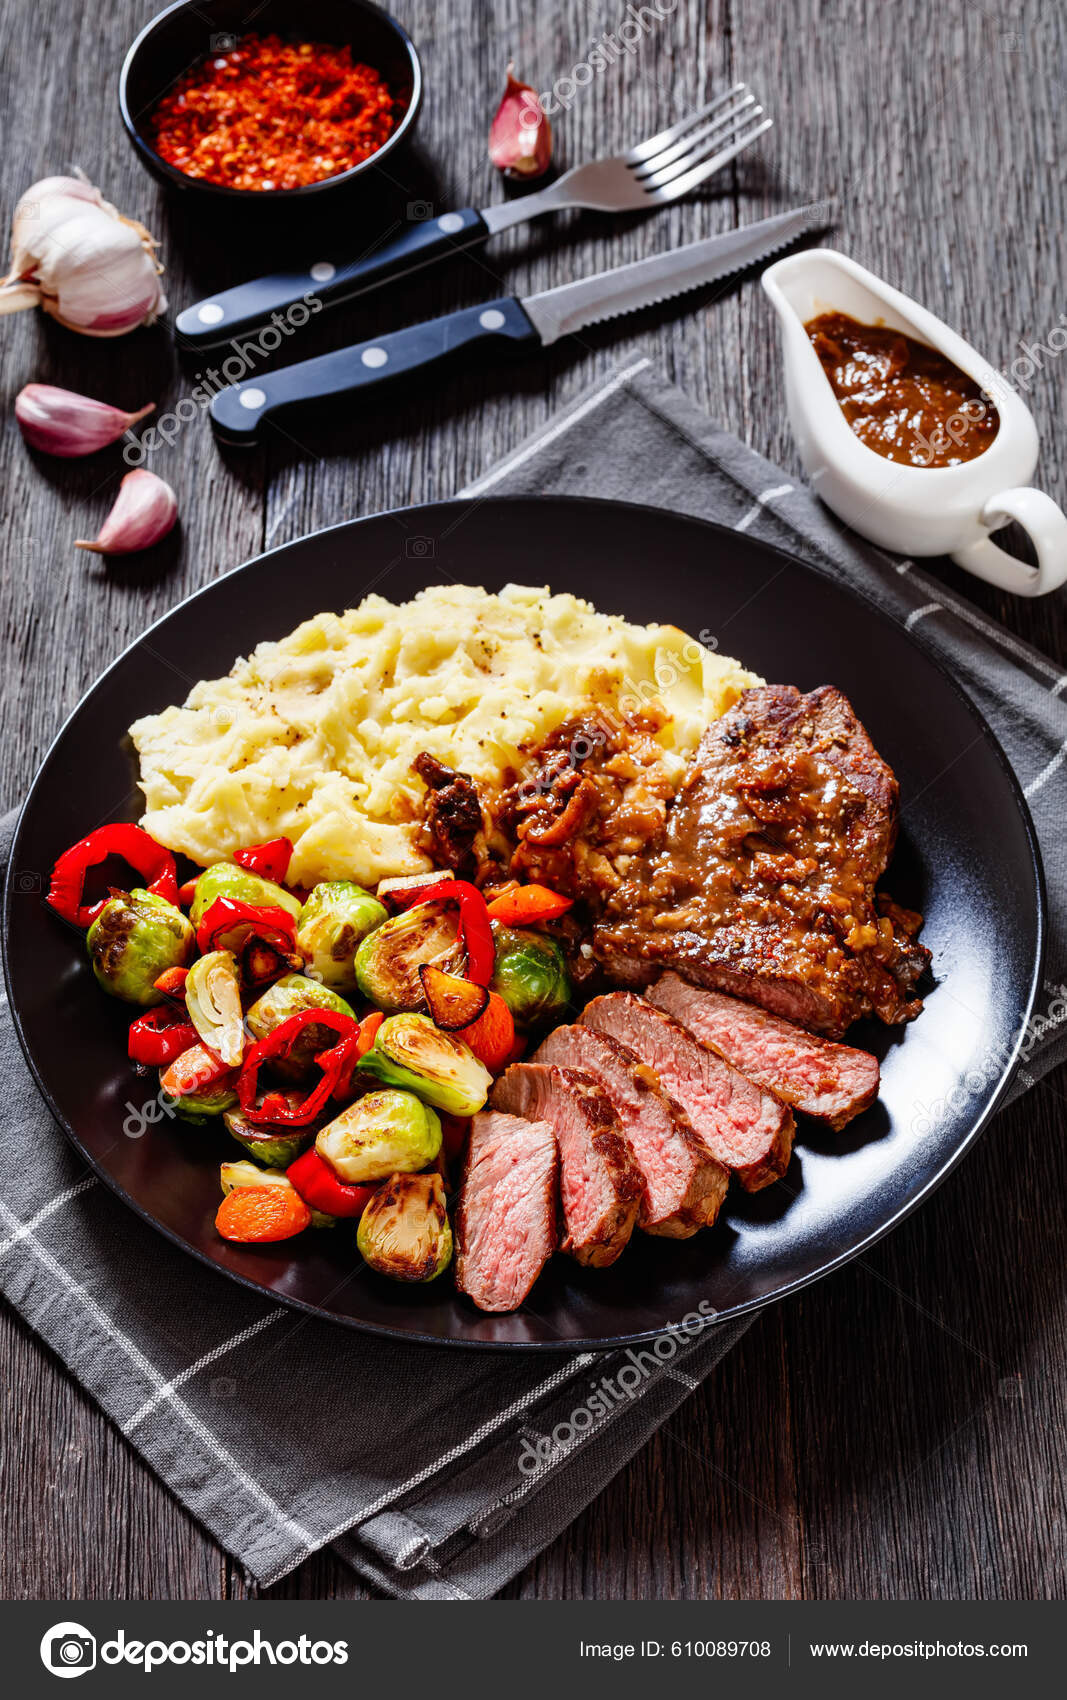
273, 114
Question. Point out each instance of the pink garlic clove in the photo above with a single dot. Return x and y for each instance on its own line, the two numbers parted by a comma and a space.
520, 138
61, 422
145, 510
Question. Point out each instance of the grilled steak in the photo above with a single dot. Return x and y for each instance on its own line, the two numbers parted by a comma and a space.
830, 1082
684, 1185
600, 1186
506, 1215
763, 881
746, 1128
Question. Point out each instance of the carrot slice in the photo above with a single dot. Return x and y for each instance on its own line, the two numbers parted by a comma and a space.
257, 1215
368, 1027
529, 903
492, 1036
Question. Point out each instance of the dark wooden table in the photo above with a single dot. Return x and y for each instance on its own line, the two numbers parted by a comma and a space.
896, 1432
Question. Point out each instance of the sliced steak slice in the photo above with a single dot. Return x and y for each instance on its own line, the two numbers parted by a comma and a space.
830, 1082
506, 1215
600, 1186
764, 881
684, 1185
742, 1125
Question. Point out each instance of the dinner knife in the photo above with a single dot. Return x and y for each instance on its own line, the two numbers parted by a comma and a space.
239, 411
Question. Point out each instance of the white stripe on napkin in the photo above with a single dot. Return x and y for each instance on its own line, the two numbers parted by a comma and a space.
556, 431
308, 1542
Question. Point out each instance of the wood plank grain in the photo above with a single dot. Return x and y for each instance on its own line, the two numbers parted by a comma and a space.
894, 1431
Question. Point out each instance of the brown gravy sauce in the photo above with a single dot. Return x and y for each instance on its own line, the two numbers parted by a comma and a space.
902, 398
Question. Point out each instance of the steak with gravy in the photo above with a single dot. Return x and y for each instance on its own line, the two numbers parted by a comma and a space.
600, 1186
763, 882
453, 815
506, 1214
745, 1127
683, 1184
829, 1082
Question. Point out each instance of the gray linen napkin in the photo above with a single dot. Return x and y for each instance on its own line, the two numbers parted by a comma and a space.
438, 1474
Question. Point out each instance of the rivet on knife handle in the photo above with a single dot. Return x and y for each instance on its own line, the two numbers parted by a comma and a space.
237, 413
238, 311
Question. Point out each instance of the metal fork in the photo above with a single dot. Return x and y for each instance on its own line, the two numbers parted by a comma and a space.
663, 169
652, 174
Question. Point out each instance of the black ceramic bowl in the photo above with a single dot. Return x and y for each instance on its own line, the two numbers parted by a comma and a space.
174, 41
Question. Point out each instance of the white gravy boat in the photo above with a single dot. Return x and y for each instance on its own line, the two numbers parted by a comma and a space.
914, 510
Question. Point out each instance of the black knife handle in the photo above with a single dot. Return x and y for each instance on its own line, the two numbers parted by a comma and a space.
237, 413
324, 282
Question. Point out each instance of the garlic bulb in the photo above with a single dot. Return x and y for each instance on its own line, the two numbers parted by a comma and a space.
145, 509
75, 255
61, 422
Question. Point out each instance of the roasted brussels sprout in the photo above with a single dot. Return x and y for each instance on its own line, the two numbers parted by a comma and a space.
226, 879
291, 995
530, 975
332, 922
134, 939
410, 1051
243, 1173
267, 1145
389, 959
378, 1135
404, 1232
212, 1101
213, 999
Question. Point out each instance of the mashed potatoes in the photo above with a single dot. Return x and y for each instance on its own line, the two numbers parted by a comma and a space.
314, 736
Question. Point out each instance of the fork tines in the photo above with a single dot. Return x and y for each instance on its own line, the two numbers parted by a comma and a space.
681, 157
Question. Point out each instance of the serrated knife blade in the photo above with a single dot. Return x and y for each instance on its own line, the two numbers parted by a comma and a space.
507, 324
625, 289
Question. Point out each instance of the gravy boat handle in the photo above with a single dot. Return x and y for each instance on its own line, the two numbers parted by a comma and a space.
1045, 524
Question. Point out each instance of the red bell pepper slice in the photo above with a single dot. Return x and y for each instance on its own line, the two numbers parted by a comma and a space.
147, 858
270, 860
277, 1109
261, 936
172, 982
187, 892
161, 1034
318, 1186
476, 935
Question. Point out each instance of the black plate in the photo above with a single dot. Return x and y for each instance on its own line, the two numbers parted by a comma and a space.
967, 858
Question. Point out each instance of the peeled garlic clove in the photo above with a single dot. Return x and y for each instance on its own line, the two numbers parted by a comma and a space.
75, 255
520, 138
144, 511
61, 422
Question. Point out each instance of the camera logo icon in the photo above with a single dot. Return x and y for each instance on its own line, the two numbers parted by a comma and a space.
68, 1649
419, 548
